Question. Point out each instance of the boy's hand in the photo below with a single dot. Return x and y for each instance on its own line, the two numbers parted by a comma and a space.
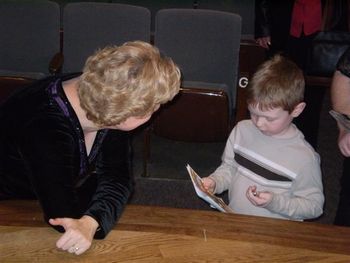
208, 184
258, 198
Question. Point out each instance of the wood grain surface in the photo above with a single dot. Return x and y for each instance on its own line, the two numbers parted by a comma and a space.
159, 234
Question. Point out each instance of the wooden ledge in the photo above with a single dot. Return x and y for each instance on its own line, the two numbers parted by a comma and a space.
232, 227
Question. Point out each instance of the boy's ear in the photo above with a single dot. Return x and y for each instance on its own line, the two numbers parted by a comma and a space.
298, 109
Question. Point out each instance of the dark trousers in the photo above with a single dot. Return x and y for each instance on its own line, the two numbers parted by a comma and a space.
342, 217
308, 120
298, 50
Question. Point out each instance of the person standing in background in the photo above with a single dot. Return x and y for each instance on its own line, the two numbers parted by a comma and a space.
272, 23
288, 27
340, 94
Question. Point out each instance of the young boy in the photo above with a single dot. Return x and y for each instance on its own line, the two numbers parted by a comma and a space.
267, 166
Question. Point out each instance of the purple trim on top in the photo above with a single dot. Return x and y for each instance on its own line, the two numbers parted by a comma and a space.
58, 99
53, 88
64, 106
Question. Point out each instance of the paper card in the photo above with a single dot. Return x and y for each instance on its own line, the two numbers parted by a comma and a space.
214, 201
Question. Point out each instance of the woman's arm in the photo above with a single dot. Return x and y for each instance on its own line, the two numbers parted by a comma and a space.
114, 183
51, 153
53, 159
340, 96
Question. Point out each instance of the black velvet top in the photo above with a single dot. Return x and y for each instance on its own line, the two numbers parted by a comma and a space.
43, 156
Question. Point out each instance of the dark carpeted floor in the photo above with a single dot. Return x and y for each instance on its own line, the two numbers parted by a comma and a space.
170, 185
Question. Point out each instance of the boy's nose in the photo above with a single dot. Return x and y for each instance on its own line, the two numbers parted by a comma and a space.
259, 121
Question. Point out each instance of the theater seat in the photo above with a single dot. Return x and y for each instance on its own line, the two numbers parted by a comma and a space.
29, 39
205, 45
89, 26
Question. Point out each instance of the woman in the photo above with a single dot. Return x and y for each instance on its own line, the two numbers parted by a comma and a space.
65, 141
340, 95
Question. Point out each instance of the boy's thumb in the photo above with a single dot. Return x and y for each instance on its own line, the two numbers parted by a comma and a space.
54, 221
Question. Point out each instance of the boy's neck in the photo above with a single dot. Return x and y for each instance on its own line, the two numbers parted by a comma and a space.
288, 133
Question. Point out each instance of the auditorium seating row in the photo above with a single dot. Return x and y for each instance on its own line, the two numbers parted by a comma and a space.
245, 8
39, 39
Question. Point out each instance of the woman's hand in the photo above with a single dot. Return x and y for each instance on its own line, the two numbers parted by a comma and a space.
344, 142
208, 184
78, 234
258, 198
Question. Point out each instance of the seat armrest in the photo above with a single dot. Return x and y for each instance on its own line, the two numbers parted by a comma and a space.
56, 63
194, 115
8, 84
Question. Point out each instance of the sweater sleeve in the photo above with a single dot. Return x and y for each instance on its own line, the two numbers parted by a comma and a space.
306, 199
224, 174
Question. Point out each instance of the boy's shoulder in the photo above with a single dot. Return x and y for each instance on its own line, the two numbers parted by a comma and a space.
244, 124
245, 131
246, 128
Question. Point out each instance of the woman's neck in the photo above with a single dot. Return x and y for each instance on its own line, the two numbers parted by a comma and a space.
70, 88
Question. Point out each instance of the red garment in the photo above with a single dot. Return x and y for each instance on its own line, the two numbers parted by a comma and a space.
306, 17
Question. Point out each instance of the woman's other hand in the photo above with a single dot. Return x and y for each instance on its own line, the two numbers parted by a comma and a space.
264, 42
344, 142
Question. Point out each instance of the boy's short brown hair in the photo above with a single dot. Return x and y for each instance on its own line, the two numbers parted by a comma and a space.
278, 82
130, 80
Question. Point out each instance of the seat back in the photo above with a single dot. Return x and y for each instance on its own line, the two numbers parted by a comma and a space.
204, 43
245, 8
89, 26
29, 36
251, 56
155, 5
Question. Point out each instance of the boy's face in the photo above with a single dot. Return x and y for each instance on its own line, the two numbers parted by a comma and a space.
273, 122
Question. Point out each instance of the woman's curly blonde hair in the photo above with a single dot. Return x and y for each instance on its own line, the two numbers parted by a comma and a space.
130, 80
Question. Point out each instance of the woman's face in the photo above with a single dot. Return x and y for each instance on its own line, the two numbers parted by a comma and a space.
132, 123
